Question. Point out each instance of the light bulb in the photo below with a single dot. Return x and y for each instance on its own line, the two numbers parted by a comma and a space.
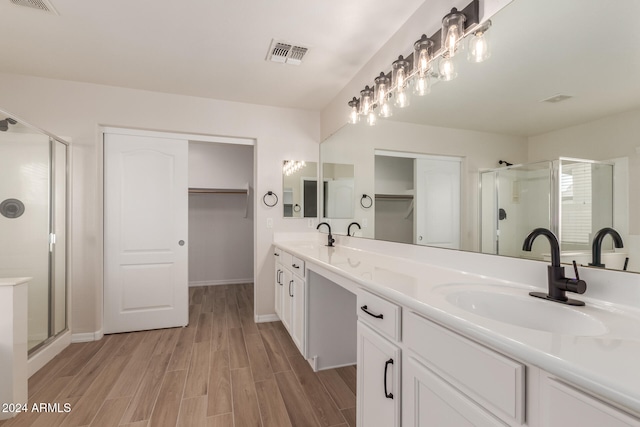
400, 78
402, 98
385, 110
452, 30
422, 85
371, 118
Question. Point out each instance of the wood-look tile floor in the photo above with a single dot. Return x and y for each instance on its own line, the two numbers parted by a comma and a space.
222, 370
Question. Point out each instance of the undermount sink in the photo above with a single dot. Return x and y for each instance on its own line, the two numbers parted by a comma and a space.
514, 306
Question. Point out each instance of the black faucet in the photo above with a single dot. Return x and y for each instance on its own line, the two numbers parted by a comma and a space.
330, 238
596, 249
558, 284
349, 228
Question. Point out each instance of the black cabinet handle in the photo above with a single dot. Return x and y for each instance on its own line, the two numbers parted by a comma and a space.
279, 279
276, 254
377, 316
386, 366
295, 266
290, 293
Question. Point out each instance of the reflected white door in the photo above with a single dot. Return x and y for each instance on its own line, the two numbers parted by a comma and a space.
145, 232
437, 202
340, 198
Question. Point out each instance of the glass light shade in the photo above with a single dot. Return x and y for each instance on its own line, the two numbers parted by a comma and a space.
353, 113
402, 98
452, 30
422, 54
366, 100
447, 68
479, 46
399, 72
381, 97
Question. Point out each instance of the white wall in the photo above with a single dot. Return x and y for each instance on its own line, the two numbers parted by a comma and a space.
220, 236
24, 250
77, 110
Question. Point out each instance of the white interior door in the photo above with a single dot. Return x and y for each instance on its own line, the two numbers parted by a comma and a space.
437, 202
145, 232
340, 198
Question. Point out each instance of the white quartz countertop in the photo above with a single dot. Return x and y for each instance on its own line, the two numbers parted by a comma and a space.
606, 364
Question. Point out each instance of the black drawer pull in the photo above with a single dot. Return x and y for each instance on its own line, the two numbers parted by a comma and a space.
295, 266
276, 254
377, 316
279, 280
386, 366
290, 293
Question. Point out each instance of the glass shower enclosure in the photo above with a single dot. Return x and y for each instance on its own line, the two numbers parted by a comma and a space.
571, 197
33, 223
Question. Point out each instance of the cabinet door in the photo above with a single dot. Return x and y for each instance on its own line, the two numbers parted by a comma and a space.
563, 405
278, 289
430, 401
298, 315
287, 298
378, 390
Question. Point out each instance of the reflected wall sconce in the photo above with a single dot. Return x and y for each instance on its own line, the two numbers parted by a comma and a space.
415, 73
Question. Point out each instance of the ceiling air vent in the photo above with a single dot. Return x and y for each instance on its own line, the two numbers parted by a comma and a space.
557, 98
286, 53
44, 5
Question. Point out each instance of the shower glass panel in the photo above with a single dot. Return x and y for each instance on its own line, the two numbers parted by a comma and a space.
514, 201
33, 192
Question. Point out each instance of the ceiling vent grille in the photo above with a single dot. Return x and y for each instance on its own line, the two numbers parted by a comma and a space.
557, 98
44, 5
286, 53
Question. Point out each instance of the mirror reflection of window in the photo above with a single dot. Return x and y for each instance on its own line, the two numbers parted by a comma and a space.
299, 189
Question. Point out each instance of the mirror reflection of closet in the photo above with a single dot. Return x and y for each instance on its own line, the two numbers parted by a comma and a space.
299, 189
338, 187
33, 220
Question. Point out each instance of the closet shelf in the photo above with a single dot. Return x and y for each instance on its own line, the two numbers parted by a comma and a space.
244, 190
394, 196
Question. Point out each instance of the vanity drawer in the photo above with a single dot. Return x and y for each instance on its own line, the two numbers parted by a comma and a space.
285, 258
297, 266
491, 379
381, 314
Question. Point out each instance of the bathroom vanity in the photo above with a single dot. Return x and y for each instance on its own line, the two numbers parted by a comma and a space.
442, 346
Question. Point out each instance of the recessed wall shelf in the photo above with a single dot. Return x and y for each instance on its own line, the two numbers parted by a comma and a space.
240, 190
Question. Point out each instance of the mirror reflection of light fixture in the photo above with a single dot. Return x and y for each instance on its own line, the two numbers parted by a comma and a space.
399, 77
292, 166
416, 71
353, 114
422, 65
447, 68
382, 95
452, 31
479, 44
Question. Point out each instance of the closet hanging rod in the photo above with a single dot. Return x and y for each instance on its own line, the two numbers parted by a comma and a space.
218, 190
394, 196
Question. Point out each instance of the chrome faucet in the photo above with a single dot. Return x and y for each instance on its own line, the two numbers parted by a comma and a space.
330, 238
349, 228
558, 283
596, 249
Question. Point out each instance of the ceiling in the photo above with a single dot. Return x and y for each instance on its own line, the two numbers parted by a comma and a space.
586, 49
205, 48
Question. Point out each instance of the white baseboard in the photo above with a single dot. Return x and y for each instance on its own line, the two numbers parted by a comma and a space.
263, 318
87, 336
220, 282
47, 353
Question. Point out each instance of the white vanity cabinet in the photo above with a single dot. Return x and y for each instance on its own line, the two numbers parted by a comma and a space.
379, 362
290, 295
449, 380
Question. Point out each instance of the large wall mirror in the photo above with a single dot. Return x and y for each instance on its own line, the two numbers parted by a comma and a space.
558, 100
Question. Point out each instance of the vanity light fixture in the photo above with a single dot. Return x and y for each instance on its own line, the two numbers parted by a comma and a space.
479, 44
292, 166
452, 31
418, 69
399, 79
353, 114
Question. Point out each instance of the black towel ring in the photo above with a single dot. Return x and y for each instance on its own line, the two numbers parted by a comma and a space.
270, 193
363, 201
296, 208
